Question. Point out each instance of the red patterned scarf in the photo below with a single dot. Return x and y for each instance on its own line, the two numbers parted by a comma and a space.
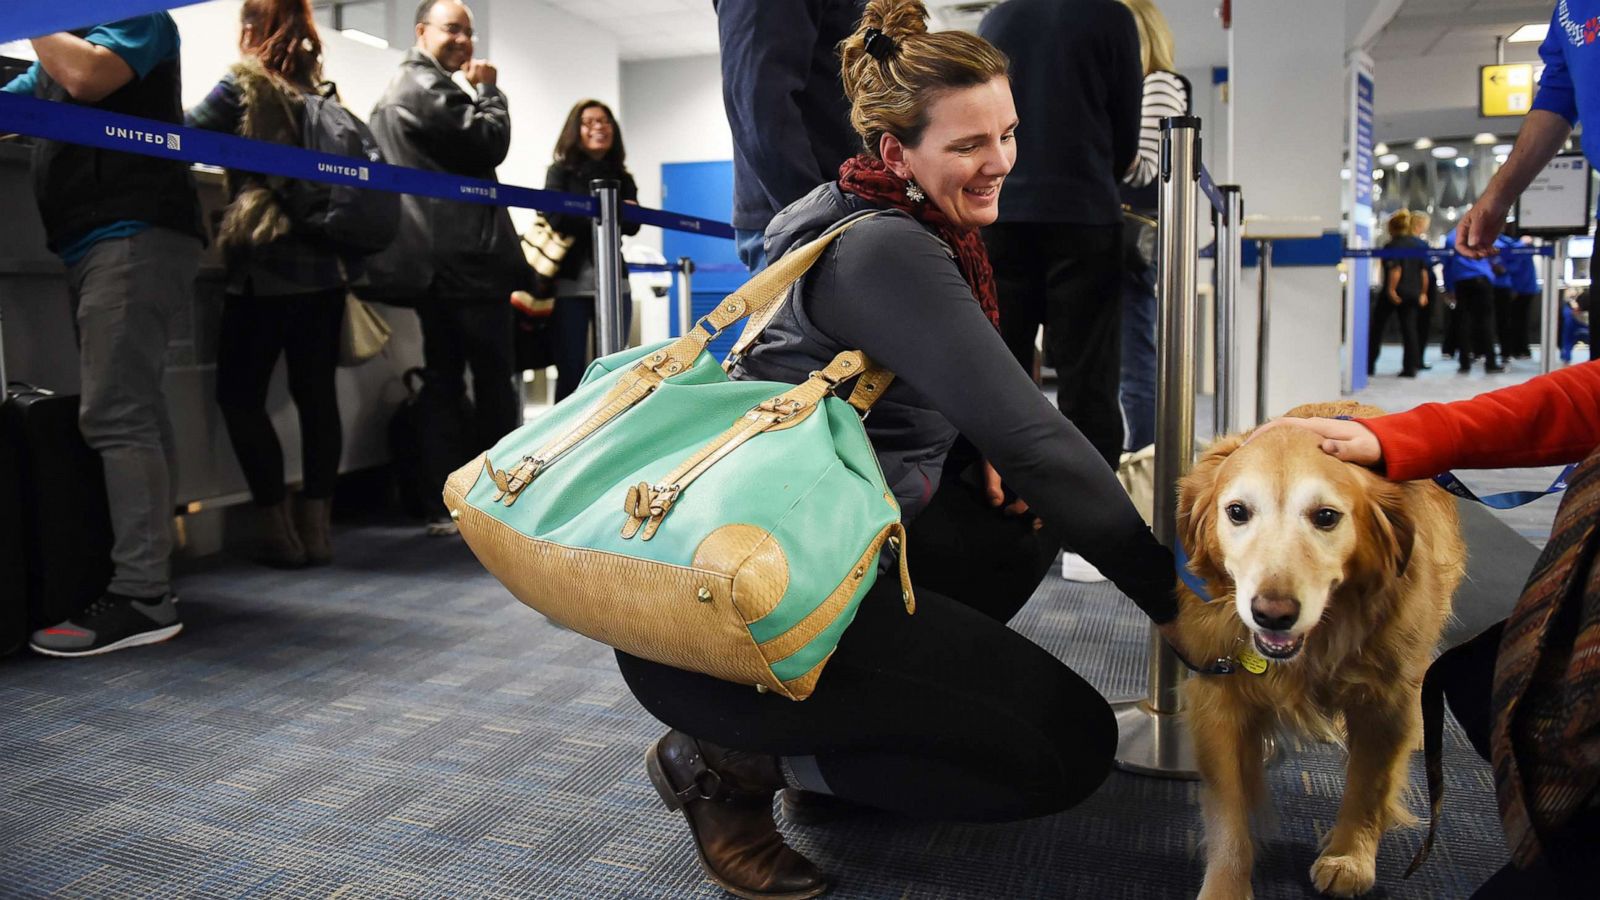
872, 181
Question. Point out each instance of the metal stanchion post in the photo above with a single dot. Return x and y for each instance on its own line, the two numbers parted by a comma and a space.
1555, 268
685, 294
1230, 225
1151, 738
1264, 295
607, 267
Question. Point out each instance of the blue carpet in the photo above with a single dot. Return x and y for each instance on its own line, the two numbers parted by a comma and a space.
398, 726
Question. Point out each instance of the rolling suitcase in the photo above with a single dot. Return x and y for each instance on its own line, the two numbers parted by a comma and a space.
13, 556
65, 517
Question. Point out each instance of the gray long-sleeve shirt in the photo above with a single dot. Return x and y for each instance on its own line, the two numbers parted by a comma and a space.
891, 288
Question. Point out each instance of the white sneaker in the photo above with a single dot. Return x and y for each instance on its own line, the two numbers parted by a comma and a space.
1076, 568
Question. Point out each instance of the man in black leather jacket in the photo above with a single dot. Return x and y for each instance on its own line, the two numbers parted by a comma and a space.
457, 263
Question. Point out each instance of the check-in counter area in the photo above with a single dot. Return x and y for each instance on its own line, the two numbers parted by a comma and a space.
41, 349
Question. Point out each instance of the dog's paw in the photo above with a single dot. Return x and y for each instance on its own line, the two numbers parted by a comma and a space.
1344, 876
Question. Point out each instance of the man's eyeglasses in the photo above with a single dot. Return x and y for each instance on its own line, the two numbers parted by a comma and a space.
453, 29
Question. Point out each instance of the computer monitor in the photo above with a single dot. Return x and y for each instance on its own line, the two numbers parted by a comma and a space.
1580, 247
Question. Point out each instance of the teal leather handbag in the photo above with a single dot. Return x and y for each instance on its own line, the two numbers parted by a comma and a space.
725, 527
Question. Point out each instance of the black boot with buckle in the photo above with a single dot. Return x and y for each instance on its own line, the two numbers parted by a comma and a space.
726, 797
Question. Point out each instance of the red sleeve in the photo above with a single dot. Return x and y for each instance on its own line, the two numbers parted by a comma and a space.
1549, 420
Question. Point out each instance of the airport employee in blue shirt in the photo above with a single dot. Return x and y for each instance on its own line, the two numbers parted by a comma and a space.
127, 226
1569, 92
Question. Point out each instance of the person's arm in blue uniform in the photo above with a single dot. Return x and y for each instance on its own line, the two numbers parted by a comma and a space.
24, 83
766, 59
1546, 128
95, 66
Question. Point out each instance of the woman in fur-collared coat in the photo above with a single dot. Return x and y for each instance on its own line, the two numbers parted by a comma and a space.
285, 294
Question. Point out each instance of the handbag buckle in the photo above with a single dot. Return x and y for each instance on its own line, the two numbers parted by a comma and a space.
521, 477
783, 409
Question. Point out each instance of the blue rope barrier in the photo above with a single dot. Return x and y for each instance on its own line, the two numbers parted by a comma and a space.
1209, 188
74, 124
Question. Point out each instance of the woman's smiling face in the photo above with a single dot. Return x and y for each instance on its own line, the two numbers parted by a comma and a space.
966, 151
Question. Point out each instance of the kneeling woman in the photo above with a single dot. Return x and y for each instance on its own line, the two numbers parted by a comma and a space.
946, 714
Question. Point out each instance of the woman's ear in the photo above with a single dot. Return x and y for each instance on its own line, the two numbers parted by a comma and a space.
1197, 509
893, 154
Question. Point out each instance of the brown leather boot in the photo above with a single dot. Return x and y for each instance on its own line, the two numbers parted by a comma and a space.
279, 546
726, 797
314, 524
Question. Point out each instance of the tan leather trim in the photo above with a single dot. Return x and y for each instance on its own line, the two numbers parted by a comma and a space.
815, 622
802, 687
755, 562
649, 609
764, 293
870, 387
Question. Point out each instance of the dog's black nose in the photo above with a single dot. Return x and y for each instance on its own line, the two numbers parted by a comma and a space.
1275, 612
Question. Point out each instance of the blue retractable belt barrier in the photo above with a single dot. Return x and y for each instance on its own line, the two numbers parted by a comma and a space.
28, 20
73, 124
1437, 254
1509, 499
1209, 188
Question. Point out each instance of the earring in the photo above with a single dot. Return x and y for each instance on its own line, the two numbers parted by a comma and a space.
914, 193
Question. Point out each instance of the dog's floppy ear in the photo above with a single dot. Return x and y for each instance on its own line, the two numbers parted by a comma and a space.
1197, 508
1391, 522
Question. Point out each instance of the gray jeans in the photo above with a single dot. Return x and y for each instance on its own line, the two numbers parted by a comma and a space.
125, 294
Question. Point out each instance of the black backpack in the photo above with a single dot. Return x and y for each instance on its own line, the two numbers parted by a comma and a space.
353, 221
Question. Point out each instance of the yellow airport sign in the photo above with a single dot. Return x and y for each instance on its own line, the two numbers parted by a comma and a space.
1505, 90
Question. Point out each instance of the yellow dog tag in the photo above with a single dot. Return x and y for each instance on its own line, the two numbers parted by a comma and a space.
1253, 662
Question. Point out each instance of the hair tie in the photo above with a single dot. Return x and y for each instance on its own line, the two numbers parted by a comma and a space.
879, 45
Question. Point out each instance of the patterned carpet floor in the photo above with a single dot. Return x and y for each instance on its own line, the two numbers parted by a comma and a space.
396, 725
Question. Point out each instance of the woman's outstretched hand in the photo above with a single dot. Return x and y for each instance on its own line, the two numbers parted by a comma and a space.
1344, 439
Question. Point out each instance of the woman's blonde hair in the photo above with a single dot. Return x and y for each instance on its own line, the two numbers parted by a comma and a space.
1419, 223
1155, 37
1400, 224
892, 85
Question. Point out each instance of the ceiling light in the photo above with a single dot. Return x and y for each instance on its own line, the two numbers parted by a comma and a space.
1423, 143
1344, 174
1530, 34
1461, 162
1381, 149
1444, 152
1388, 159
1501, 150
1402, 166
1377, 174
361, 37
1500, 158
1450, 214
1484, 137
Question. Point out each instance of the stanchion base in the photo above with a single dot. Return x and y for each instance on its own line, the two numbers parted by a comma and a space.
1152, 743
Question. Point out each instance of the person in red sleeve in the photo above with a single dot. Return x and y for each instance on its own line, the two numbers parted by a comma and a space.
1527, 690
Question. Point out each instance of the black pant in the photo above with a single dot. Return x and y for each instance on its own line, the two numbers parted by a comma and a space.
456, 336
255, 331
1474, 321
571, 339
1069, 279
1407, 313
946, 714
1566, 869
1521, 304
1505, 305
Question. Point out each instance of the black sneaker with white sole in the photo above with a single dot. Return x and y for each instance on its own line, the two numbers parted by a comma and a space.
110, 623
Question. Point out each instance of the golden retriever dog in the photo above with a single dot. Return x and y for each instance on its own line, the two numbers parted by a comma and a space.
1336, 584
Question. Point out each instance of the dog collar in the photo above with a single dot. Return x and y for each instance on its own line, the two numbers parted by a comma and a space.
1247, 660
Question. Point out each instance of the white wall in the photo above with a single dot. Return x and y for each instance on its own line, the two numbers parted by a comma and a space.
672, 112
210, 40
1288, 146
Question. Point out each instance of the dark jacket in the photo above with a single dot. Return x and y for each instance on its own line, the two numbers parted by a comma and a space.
80, 188
455, 251
785, 103
264, 254
1077, 81
579, 261
891, 289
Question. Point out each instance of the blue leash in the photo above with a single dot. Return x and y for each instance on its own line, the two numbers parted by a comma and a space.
1507, 500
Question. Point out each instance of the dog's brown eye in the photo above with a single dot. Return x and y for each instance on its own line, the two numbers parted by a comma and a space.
1238, 513
1326, 518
